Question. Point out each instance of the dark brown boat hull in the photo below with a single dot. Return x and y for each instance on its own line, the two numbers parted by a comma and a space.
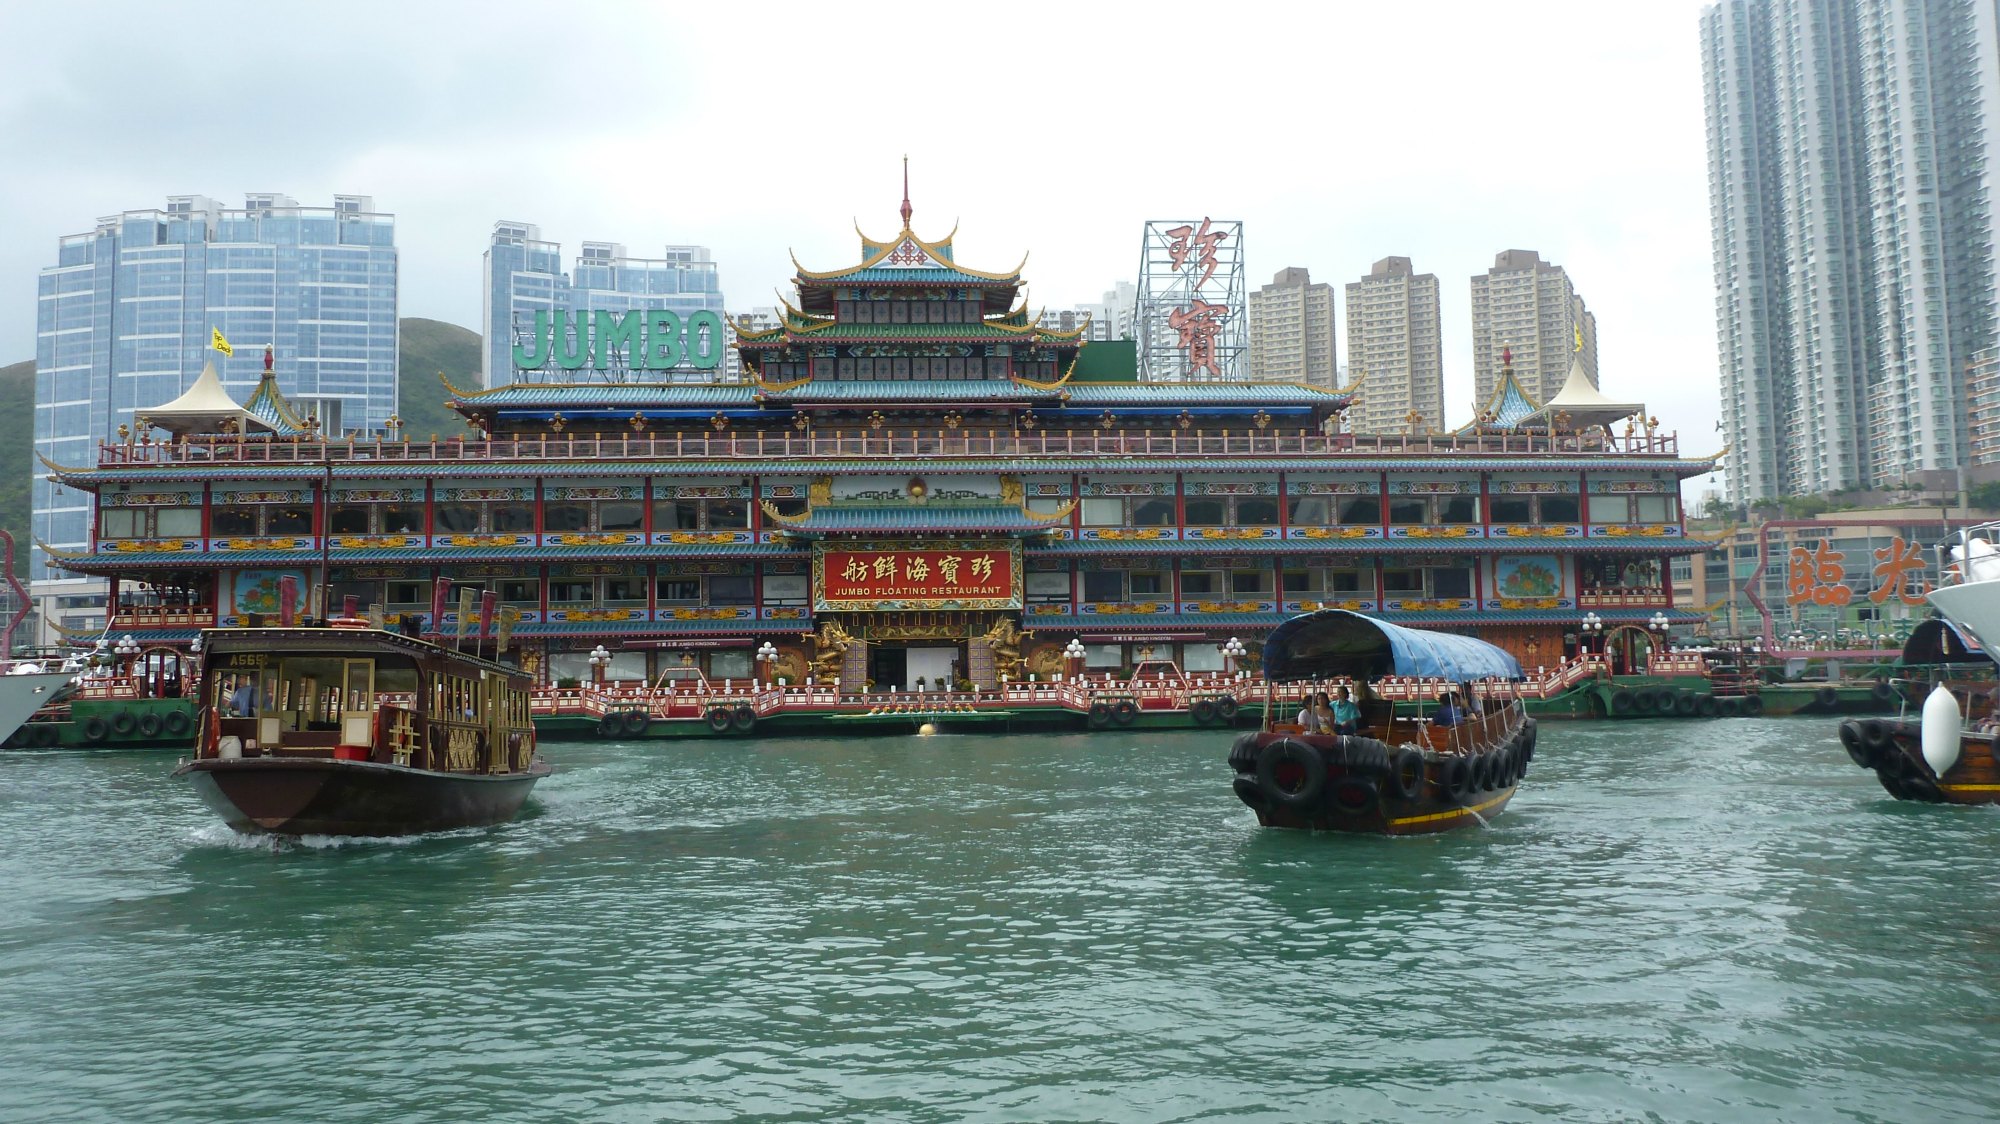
317, 796
1390, 816
1894, 752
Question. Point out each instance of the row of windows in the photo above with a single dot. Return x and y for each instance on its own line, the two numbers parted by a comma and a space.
1330, 511
910, 312
624, 590
1113, 586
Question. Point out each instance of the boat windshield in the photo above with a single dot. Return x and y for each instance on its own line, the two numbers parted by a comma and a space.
301, 694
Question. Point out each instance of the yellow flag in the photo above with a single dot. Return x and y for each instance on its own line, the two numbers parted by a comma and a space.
1579, 337
221, 344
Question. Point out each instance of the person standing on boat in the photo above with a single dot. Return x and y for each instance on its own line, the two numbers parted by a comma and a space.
1448, 713
243, 700
1346, 715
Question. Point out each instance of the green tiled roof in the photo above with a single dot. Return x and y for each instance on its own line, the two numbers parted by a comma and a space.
1096, 395
904, 275
915, 390
1372, 546
893, 333
914, 517
613, 394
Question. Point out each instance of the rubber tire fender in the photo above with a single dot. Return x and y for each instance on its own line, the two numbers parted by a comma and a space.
1406, 776
743, 719
149, 726
1455, 778
1125, 712
1099, 716
1621, 702
1275, 755
1643, 702
122, 724
1225, 708
1753, 705
1243, 752
608, 727
177, 724
1705, 706
1354, 794
44, 734
1203, 711
1827, 697
1664, 699
1245, 785
1850, 740
1686, 704
94, 730
634, 723
717, 719
1881, 692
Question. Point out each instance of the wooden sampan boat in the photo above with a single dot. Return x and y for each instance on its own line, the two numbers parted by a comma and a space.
1396, 775
1951, 753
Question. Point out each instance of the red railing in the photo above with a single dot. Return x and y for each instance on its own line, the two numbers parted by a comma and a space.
861, 444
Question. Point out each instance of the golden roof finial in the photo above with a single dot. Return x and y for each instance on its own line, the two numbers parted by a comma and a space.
906, 191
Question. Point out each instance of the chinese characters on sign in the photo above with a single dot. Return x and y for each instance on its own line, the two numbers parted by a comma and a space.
1816, 575
865, 579
1895, 562
1200, 324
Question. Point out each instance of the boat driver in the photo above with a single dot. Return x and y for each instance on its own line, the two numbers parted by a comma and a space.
243, 700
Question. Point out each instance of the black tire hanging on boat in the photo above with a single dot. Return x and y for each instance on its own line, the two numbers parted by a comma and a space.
1225, 708
1278, 754
122, 723
1881, 692
1354, 794
1874, 734
1704, 706
1850, 740
1826, 697
1099, 716
1664, 698
94, 730
1406, 779
1621, 702
1643, 702
1917, 786
718, 719
149, 726
177, 724
634, 723
1243, 753
44, 735
1753, 705
1203, 711
1245, 785
1686, 704
608, 727
1125, 712
743, 719
1455, 778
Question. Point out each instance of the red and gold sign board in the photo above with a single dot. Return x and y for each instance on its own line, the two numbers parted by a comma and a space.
930, 575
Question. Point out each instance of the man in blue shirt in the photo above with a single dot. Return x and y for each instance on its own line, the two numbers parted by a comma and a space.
243, 700
1448, 713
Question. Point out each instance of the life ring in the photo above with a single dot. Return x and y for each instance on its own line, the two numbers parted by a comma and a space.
1099, 716
1753, 705
1686, 705
1850, 740
42, 735
149, 726
1705, 706
634, 723
1406, 779
94, 730
1125, 712
1354, 794
743, 719
122, 724
1225, 708
1290, 755
608, 727
1203, 711
1457, 778
1621, 702
718, 718
1827, 697
177, 724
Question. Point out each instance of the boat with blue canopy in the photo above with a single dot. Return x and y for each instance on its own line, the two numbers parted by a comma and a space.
1400, 731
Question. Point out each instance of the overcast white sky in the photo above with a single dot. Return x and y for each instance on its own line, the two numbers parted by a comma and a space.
1339, 133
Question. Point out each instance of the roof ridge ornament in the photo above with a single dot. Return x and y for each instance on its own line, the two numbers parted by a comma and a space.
906, 192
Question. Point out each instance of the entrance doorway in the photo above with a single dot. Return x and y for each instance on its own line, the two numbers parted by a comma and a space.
900, 667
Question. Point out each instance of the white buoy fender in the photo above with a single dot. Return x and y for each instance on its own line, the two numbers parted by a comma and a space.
1941, 730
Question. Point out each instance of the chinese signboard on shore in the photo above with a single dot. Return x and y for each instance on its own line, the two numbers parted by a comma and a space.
852, 576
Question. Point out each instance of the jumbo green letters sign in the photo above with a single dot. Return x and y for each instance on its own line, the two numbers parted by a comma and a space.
652, 339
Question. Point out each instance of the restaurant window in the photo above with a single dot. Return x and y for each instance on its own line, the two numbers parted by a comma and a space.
233, 521
1047, 588
519, 591
1249, 583
1360, 582
1559, 509
1309, 511
1097, 657
513, 517
1201, 656
1256, 512
1152, 513
1610, 509
1206, 513
409, 593
676, 515
149, 522
726, 515
566, 517
364, 593
1200, 583
350, 519
1450, 581
625, 591
1658, 509
1513, 509
1152, 585
679, 589
732, 590
1408, 512
1303, 583
1361, 511
1103, 513
570, 591
1457, 509
1046, 505
118, 523
458, 518
288, 519
1101, 586
785, 589
621, 515
402, 519
174, 522
1403, 583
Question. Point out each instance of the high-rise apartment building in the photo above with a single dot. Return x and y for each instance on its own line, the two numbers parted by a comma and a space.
124, 321
1395, 345
760, 319
1291, 331
523, 275
1529, 306
1851, 180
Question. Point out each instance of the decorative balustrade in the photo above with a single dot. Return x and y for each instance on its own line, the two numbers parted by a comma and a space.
865, 444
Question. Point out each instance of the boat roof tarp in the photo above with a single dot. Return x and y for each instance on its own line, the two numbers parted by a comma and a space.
1938, 641
1336, 642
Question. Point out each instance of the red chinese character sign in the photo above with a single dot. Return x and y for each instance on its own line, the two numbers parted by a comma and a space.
1894, 565
1816, 576
1192, 299
957, 575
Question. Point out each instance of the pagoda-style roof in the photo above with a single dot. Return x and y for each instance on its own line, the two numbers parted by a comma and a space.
1508, 406
908, 260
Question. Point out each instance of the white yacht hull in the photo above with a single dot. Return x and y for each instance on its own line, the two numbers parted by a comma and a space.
22, 695
1974, 607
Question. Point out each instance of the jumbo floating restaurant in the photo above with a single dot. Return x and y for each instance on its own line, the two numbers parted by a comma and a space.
914, 479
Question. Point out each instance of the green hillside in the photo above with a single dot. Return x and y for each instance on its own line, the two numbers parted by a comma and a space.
430, 346
17, 454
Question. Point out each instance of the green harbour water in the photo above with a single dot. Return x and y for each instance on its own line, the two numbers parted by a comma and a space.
1704, 921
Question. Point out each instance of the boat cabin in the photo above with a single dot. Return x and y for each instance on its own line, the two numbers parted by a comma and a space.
362, 694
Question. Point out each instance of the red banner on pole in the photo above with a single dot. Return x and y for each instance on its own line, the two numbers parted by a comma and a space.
440, 597
488, 602
288, 600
